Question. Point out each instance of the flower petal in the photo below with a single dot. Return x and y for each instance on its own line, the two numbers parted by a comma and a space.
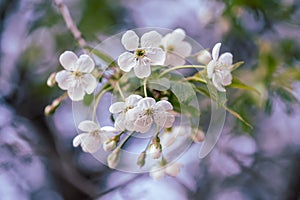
157, 172
132, 100
64, 79
120, 122
89, 143
130, 40
156, 55
89, 82
151, 39
226, 77
143, 124
126, 61
76, 93
204, 57
173, 169
226, 59
107, 129
217, 81
210, 68
215, 51
117, 107
178, 34
88, 126
68, 60
142, 69
164, 119
85, 64
183, 49
163, 105
146, 103
173, 59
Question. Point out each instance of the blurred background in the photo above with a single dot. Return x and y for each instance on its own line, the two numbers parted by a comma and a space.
37, 160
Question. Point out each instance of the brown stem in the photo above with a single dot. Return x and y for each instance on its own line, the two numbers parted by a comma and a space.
70, 23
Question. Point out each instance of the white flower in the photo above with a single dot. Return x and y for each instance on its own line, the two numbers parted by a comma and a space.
92, 137
155, 150
113, 158
218, 68
159, 171
176, 49
204, 57
143, 55
122, 107
76, 78
147, 111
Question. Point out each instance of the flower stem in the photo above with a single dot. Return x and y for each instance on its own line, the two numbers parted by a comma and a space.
181, 67
125, 139
145, 87
98, 97
120, 91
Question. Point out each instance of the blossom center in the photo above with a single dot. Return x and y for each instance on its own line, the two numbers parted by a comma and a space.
171, 48
77, 74
220, 66
139, 53
149, 112
94, 133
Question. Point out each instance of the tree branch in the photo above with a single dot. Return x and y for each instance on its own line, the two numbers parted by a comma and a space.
70, 23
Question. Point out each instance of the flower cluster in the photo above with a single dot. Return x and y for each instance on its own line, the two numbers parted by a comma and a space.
139, 113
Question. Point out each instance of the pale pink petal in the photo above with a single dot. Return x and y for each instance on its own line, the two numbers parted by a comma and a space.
146, 103
77, 141
68, 60
156, 55
210, 68
217, 81
88, 126
183, 49
89, 143
174, 60
132, 100
117, 107
85, 64
143, 124
64, 79
76, 93
126, 61
204, 57
130, 40
120, 122
107, 129
164, 119
226, 77
215, 51
151, 39
89, 82
226, 59
163, 105
142, 69
132, 114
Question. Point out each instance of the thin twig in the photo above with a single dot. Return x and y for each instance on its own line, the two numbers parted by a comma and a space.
71, 24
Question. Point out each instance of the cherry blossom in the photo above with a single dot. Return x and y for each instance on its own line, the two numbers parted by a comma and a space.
218, 68
142, 53
176, 49
148, 111
76, 77
92, 136
121, 108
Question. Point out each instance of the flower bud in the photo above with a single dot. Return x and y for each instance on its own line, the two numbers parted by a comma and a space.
49, 110
204, 57
141, 159
51, 80
155, 150
109, 145
113, 158
198, 135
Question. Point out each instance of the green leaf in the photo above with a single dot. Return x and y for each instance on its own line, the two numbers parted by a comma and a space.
106, 58
236, 65
161, 84
183, 91
237, 115
236, 83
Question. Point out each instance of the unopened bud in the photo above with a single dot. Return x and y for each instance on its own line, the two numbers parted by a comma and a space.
141, 159
204, 57
51, 80
113, 158
198, 135
49, 110
155, 150
109, 145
